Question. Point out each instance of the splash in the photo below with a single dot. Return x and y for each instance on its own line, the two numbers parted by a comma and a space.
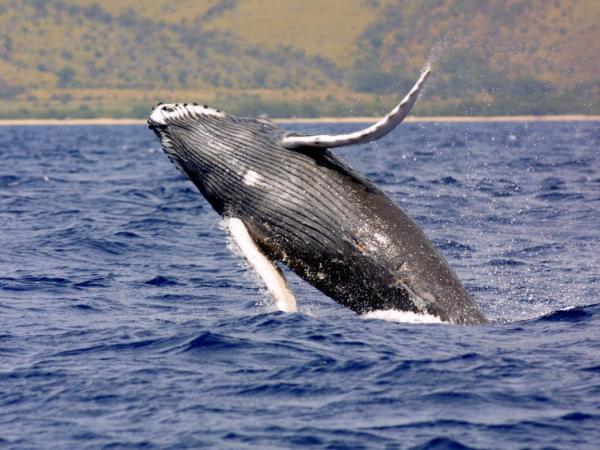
393, 315
439, 49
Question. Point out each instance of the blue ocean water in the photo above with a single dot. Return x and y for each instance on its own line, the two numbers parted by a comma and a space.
126, 321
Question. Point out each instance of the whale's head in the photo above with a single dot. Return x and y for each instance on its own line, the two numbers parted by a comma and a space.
216, 150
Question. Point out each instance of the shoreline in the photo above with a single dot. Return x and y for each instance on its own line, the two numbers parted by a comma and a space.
412, 119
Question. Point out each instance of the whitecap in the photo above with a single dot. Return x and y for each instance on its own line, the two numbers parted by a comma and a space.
393, 315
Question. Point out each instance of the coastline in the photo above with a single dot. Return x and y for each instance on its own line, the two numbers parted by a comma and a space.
412, 119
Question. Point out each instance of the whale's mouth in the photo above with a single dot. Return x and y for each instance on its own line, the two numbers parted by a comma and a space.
166, 114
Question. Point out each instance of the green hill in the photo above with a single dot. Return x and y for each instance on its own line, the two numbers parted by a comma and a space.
85, 58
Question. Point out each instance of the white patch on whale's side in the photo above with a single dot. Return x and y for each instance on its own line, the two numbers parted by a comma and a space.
393, 315
251, 178
381, 239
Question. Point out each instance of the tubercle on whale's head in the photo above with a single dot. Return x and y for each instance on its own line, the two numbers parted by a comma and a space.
165, 114
199, 128
185, 129
203, 142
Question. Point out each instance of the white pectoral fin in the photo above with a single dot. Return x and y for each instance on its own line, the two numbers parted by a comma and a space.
375, 131
265, 268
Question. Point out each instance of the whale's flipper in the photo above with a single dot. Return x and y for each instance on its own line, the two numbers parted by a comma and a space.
375, 131
266, 270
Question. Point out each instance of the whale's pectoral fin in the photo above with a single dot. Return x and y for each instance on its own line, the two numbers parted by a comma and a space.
374, 132
270, 274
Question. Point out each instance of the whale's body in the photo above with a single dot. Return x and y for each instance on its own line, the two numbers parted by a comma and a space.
304, 206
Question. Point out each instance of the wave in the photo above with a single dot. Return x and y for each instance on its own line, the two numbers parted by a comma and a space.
440, 443
571, 314
160, 281
209, 341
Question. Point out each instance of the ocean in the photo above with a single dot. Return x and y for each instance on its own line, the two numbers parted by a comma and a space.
128, 320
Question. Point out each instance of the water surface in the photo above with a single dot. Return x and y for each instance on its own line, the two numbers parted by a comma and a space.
127, 322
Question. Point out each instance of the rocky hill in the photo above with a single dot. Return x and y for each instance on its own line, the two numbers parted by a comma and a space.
86, 58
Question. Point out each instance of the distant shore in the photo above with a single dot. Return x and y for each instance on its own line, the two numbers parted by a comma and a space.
414, 119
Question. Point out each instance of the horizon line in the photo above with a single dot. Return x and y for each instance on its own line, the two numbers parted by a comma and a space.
301, 120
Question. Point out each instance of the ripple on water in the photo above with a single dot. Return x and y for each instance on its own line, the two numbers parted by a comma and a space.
125, 322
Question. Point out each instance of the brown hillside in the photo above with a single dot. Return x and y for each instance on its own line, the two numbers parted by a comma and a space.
341, 57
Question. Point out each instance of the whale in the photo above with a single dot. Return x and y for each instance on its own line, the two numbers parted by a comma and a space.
287, 199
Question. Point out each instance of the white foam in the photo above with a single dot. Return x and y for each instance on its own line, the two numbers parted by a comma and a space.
393, 315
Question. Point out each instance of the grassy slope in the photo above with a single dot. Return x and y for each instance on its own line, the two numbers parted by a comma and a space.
555, 41
328, 29
316, 57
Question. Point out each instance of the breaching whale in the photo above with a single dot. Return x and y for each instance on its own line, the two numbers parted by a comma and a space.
287, 198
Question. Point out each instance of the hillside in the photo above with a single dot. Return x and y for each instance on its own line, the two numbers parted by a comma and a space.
86, 58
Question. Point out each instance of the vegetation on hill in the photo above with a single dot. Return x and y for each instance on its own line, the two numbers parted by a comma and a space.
87, 58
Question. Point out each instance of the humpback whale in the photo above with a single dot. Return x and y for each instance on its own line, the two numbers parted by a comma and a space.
287, 198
